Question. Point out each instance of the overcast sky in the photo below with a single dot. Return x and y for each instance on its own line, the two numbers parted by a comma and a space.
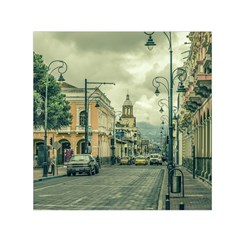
118, 57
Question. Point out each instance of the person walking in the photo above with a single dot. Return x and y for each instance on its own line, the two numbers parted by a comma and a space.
98, 161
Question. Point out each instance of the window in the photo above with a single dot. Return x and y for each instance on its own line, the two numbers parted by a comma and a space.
82, 119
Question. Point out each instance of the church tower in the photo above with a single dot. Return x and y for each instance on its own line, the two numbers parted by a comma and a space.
127, 118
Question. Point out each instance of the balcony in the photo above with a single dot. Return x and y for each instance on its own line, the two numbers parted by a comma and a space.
38, 129
64, 130
80, 129
192, 102
203, 86
207, 64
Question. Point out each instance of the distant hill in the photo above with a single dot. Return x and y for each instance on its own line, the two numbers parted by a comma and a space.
149, 131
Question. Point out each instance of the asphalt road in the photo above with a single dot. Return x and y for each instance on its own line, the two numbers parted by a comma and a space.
114, 188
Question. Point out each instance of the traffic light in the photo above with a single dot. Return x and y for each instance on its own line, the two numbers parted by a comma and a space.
51, 141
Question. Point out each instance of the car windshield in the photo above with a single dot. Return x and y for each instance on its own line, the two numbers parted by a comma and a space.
81, 158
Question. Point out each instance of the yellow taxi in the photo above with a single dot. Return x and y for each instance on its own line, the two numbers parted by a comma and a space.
141, 160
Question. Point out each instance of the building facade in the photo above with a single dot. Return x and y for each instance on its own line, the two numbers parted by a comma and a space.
71, 138
195, 122
128, 137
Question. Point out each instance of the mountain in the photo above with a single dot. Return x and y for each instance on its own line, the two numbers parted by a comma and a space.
149, 131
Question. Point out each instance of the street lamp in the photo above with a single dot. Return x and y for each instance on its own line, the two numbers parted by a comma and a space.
164, 118
161, 104
61, 70
181, 74
86, 109
150, 43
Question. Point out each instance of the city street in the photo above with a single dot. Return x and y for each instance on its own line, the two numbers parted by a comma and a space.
115, 188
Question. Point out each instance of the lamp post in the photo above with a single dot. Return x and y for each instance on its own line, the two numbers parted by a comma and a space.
61, 70
116, 114
157, 82
176, 117
164, 134
86, 110
181, 74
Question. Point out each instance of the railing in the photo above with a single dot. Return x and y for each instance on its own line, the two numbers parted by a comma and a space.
64, 130
203, 76
80, 129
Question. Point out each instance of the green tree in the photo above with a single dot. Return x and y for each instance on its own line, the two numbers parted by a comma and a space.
58, 107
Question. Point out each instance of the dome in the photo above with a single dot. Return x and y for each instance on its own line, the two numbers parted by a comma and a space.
127, 102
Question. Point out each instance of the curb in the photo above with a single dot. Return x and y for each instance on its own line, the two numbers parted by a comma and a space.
48, 178
162, 192
62, 175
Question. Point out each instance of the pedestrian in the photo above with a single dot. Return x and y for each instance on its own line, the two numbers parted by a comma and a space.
98, 161
113, 159
52, 168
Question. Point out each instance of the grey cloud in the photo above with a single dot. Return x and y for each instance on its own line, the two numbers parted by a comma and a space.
102, 41
119, 57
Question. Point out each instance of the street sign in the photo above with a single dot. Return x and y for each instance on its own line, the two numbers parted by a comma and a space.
57, 145
119, 134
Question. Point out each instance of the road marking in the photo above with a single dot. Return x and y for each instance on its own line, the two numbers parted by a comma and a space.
78, 200
52, 195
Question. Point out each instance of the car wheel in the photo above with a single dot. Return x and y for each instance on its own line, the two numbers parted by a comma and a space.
69, 174
90, 173
74, 174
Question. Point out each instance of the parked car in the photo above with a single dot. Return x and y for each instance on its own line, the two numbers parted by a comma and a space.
155, 159
82, 163
125, 161
141, 160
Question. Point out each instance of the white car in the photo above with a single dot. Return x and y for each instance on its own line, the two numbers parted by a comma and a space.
155, 159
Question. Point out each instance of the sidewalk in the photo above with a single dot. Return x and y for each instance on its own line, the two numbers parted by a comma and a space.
59, 172
197, 194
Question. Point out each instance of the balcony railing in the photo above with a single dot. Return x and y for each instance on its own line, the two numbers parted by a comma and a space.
64, 130
204, 77
80, 129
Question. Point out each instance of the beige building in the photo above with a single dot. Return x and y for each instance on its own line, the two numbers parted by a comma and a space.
100, 121
127, 135
195, 121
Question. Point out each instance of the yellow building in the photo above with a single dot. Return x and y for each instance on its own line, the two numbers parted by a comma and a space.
100, 121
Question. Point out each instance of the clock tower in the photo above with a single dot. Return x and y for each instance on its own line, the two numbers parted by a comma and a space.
127, 118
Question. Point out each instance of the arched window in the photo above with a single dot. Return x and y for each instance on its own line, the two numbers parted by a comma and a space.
82, 118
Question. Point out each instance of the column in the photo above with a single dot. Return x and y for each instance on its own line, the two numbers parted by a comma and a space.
203, 149
207, 150
210, 149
